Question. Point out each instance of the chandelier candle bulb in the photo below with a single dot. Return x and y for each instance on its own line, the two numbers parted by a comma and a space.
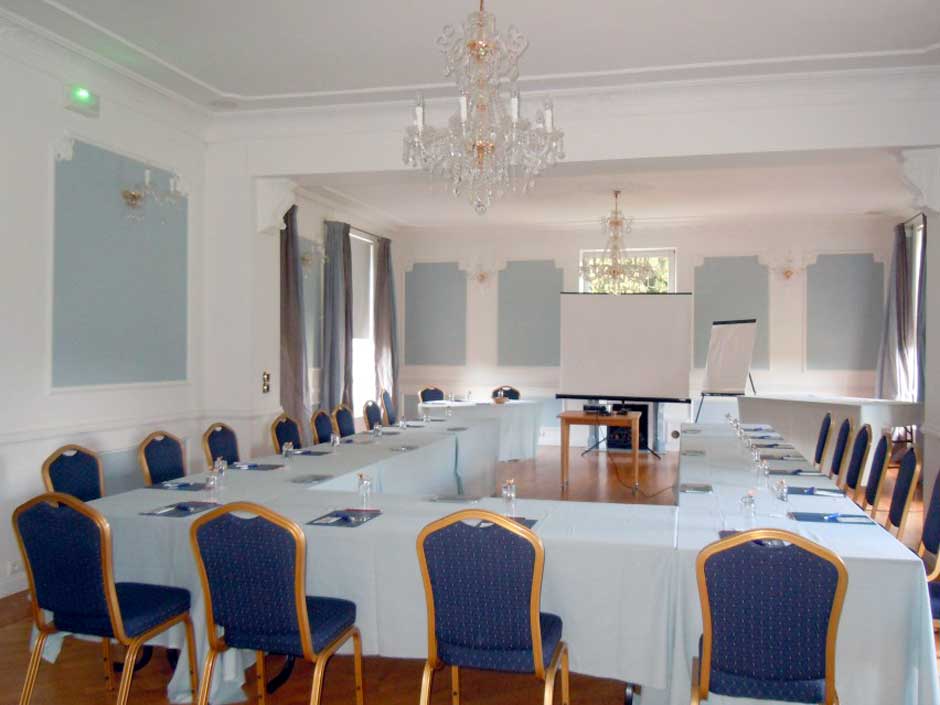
549, 116
514, 106
463, 109
419, 114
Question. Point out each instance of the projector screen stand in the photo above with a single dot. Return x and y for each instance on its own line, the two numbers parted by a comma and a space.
722, 394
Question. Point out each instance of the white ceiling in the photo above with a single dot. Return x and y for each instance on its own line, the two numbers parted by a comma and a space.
283, 53
819, 183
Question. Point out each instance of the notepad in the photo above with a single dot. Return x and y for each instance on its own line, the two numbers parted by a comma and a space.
261, 467
310, 479
455, 499
309, 451
693, 453
179, 486
347, 518
181, 509
695, 488
404, 449
815, 491
456, 428
835, 518
798, 471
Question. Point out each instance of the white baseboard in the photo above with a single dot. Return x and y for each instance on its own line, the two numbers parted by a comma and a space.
12, 585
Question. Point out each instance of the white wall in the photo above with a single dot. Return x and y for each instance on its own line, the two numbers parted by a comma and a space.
136, 122
931, 427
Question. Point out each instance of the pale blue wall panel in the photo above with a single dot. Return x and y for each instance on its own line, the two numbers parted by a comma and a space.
119, 289
844, 312
530, 314
435, 315
122, 472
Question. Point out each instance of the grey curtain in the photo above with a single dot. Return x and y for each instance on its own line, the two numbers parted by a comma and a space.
336, 364
900, 374
294, 382
386, 323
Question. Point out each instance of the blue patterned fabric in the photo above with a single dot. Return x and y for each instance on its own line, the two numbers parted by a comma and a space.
77, 475
389, 408
842, 442
323, 427
931, 533
481, 582
345, 422
770, 609
431, 394
823, 437
877, 470
164, 459
287, 432
329, 617
859, 448
507, 391
902, 487
934, 590
142, 607
223, 444
373, 414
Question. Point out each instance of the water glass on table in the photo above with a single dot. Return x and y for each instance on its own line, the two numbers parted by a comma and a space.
335, 440
286, 450
508, 492
365, 491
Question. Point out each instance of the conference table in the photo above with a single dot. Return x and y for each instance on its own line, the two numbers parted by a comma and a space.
519, 422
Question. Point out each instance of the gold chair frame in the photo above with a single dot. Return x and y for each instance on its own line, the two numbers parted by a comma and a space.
873, 508
217, 643
205, 440
428, 388
313, 426
701, 670
385, 416
889, 527
114, 611
335, 421
274, 424
559, 659
825, 448
59, 452
365, 416
850, 450
142, 456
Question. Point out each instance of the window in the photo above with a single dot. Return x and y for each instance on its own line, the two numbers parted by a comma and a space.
654, 270
362, 249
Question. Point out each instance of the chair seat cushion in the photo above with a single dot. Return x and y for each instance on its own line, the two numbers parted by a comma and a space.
143, 607
740, 686
329, 617
517, 660
934, 589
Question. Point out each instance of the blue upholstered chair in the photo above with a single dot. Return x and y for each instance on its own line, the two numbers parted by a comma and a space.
76, 471
483, 582
822, 441
388, 408
66, 547
506, 391
220, 441
372, 413
876, 476
343, 421
285, 430
430, 394
839, 455
930, 544
904, 487
771, 602
858, 458
253, 573
321, 426
160, 456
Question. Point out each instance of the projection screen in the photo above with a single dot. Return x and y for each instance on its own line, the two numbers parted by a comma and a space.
632, 345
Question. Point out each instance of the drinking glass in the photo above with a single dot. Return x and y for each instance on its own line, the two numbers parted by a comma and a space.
426, 418
450, 411
469, 395
402, 423
365, 491
509, 497
450, 397
749, 510
286, 449
377, 430
334, 439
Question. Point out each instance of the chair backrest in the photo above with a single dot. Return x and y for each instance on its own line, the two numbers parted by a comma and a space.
285, 430
858, 458
66, 548
220, 441
253, 573
160, 456
904, 487
372, 413
483, 583
823, 440
321, 425
343, 421
838, 452
430, 394
391, 414
749, 585
506, 391
930, 537
76, 471
876, 476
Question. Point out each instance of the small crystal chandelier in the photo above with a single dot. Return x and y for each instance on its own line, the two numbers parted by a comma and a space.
613, 271
487, 149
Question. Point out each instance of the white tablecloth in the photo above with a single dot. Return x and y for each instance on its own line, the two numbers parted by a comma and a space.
519, 422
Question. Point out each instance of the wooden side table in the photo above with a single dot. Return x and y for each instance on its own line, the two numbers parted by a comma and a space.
579, 418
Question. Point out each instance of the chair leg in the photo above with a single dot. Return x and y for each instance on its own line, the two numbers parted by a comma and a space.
261, 678
426, 678
127, 674
694, 697
32, 670
191, 648
206, 681
319, 670
455, 685
108, 668
565, 686
357, 665
550, 673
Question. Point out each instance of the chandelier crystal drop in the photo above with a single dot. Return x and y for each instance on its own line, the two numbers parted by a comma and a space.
613, 271
487, 148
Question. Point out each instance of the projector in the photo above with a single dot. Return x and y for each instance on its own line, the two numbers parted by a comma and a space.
599, 409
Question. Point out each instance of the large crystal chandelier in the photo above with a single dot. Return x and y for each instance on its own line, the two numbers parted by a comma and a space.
487, 148
613, 271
